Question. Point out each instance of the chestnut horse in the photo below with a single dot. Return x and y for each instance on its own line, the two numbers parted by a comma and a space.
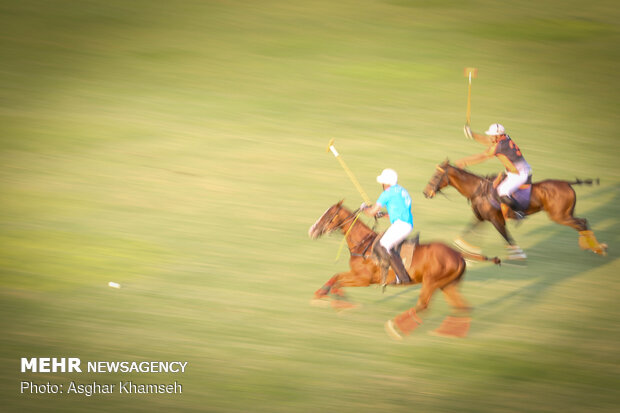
435, 265
557, 197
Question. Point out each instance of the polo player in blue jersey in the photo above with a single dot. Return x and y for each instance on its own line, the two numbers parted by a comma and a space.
397, 202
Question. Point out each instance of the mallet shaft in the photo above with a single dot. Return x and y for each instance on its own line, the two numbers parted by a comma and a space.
359, 188
470, 72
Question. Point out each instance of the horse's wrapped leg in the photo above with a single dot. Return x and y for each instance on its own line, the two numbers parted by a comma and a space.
323, 292
588, 241
453, 327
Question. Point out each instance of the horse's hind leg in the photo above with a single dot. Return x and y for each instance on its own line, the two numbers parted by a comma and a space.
454, 298
406, 322
425, 296
456, 325
563, 215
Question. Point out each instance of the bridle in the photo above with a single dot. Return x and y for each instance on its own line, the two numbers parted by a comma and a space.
436, 180
352, 218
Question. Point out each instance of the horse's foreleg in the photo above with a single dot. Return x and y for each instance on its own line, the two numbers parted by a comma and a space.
475, 223
323, 292
500, 225
355, 278
334, 289
514, 251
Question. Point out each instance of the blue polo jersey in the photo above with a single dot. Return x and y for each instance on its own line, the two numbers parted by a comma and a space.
397, 201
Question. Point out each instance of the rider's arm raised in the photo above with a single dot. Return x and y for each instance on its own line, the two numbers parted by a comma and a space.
483, 139
478, 137
474, 159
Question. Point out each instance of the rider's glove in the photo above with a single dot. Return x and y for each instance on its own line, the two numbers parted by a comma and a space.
468, 132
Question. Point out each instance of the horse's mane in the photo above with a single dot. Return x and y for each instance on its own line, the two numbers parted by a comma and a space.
489, 177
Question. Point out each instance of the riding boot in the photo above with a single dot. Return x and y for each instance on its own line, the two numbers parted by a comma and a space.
383, 261
508, 200
386, 259
399, 268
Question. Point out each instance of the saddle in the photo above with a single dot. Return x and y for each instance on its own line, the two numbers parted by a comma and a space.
521, 196
406, 248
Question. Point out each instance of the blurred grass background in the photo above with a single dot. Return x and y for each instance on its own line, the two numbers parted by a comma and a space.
178, 148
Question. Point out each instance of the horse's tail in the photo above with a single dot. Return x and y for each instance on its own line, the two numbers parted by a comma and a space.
590, 182
479, 257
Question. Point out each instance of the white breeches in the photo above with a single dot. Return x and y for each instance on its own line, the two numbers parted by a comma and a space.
396, 233
512, 182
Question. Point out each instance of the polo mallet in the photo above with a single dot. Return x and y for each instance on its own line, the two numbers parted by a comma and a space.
332, 148
470, 72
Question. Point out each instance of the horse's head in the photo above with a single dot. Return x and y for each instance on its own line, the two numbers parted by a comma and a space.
438, 181
331, 220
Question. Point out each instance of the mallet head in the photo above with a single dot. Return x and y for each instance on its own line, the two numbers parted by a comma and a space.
471, 72
329, 145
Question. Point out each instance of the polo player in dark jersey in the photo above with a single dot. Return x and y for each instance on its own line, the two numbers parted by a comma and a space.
503, 147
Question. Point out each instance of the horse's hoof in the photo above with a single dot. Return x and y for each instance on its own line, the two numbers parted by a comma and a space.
341, 305
515, 253
391, 330
320, 302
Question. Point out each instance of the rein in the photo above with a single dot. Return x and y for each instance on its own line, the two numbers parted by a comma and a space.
478, 191
355, 216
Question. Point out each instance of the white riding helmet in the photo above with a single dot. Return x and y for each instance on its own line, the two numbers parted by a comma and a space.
388, 177
496, 129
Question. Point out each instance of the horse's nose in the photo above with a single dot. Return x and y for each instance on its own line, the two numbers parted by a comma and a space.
312, 232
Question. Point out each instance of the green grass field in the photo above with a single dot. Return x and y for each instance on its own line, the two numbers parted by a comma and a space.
178, 148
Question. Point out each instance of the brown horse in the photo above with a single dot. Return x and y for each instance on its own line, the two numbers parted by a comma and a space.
435, 265
557, 197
